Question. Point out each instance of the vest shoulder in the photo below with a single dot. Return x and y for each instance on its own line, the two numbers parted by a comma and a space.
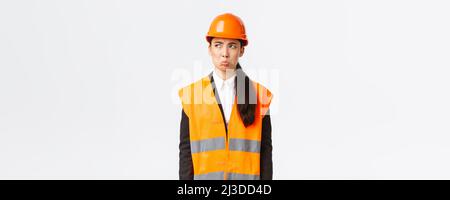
264, 97
262, 89
186, 90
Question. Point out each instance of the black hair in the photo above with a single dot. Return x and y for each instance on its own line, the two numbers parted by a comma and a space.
246, 96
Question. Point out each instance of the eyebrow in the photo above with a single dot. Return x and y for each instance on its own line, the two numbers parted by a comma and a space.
220, 42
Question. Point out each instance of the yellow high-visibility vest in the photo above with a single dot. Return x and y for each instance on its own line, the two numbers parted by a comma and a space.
219, 152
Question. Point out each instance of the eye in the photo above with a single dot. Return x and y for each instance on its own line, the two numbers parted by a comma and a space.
218, 45
233, 46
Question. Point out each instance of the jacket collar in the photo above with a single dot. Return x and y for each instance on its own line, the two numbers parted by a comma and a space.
220, 82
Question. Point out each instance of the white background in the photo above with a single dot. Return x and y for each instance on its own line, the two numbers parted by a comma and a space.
87, 87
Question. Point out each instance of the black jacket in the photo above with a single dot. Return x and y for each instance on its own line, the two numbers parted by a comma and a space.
186, 170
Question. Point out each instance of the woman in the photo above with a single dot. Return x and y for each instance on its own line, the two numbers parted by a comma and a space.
225, 131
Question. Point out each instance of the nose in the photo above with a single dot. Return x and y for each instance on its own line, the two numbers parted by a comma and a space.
224, 53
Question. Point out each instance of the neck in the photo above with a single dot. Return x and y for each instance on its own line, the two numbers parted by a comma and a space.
224, 75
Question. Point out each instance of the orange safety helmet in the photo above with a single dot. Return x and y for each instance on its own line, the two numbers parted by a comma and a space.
227, 26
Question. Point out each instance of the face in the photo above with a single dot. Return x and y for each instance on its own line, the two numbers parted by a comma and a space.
225, 53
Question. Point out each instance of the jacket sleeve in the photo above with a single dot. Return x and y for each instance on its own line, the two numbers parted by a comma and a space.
266, 170
186, 170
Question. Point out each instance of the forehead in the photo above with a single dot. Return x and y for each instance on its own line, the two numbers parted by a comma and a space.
225, 40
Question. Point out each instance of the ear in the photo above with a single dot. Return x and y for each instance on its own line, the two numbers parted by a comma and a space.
242, 51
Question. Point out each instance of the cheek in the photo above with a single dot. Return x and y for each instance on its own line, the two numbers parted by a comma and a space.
214, 54
234, 55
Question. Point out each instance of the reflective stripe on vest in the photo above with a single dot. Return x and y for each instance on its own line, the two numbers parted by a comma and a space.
208, 145
245, 145
219, 144
236, 176
210, 176
231, 176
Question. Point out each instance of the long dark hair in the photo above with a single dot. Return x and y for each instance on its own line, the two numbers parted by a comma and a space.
246, 96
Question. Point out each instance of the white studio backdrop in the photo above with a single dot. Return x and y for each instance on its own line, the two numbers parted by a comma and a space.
88, 88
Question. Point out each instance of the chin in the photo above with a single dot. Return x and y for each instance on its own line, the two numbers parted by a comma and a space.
224, 69
221, 68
